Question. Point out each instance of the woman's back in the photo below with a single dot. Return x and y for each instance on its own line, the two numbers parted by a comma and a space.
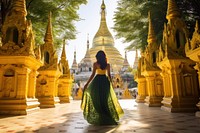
100, 71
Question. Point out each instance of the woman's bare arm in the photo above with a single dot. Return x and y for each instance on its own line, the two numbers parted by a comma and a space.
92, 75
108, 70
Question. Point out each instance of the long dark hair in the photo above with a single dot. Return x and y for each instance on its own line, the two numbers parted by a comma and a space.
101, 59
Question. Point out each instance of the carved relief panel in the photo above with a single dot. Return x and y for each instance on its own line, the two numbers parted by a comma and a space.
8, 86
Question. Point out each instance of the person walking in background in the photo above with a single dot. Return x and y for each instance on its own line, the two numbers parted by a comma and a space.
99, 103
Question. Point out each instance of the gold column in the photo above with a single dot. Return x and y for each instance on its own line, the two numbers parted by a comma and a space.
166, 87
52, 86
32, 84
22, 83
142, 93
154, 98
197, 67
1, 78
49, 98
177, 98
64, 90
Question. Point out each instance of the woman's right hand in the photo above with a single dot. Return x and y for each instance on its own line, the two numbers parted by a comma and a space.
85, 86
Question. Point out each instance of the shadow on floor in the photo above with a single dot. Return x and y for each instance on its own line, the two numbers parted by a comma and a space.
74, 123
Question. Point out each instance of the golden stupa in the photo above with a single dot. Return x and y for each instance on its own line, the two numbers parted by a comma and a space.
103, 40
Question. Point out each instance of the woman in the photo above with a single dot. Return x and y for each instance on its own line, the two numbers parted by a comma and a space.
99, 102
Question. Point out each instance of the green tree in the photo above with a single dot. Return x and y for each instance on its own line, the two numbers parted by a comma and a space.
131, 21
4, 8
64, 14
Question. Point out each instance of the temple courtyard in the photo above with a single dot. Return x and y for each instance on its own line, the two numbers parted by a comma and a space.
68, 118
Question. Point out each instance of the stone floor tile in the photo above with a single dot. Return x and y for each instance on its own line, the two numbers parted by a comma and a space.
68, 118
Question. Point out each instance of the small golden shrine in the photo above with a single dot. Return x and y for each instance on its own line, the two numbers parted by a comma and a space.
79, 94
126, 94
117, 81
192, 50
65, 80
179, 77
140, 79
18, 63
151, 71
49, 73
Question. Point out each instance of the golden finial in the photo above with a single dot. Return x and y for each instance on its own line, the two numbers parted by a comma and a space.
197, 26
103, 6
49, 35
151, 34
63, 55
172, 10
103, 13
19, 6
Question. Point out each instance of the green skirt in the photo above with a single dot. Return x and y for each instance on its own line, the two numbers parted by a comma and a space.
99, 103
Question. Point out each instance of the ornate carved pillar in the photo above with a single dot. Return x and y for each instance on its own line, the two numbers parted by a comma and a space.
1, 81
64, 89
32, 84
177, 76
197, 67
155, 93
142, 92
22, 83
47, 88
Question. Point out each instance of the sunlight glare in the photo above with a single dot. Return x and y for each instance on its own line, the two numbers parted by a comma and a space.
128, 104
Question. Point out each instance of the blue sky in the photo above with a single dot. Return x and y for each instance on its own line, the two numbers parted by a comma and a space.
90, 13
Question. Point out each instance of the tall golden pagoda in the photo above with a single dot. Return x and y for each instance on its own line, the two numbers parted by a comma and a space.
103, 40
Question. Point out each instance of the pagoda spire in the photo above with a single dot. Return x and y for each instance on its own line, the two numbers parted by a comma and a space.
87, 59
49, 35
74, 55
74, 64
63, 55
126, 60
103, 14
88, 43
151, 33
135, 64
19, 6
103, 31
87, 54
172, 10
74, 61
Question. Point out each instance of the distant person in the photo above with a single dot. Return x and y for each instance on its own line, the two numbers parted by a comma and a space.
99, 102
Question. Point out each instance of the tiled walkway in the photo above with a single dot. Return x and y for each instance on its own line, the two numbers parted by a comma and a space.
68, 118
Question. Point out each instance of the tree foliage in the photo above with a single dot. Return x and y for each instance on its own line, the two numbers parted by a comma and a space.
64, 14
131, 23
